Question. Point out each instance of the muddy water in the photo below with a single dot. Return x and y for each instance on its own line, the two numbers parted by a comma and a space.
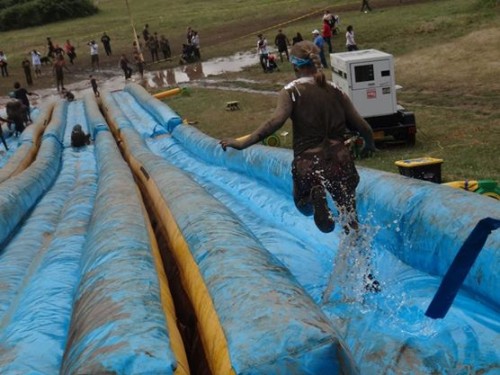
111, 80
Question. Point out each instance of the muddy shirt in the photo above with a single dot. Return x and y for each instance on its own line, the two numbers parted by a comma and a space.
317, 114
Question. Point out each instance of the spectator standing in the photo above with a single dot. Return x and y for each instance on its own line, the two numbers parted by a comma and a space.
58, 69
319, 42
70, 51
27, 71
93, 83
281, 41
297, 38
189, 34
124, 65
58, 51
365, 6
50, 48
327, 35
37, 62
3, 64
350, 42
21, 94
139, 62
106, 42
165, 47
195, 41
152, 45
94, 55
145, 33
262, 51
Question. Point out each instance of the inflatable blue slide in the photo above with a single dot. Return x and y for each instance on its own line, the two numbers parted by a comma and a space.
83, 288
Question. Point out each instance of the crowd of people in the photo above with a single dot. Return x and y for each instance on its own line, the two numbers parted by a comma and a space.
322, 37
57, 57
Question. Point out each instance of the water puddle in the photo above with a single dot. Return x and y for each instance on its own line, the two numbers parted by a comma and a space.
112, 80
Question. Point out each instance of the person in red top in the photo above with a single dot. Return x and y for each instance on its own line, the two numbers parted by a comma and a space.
327, 35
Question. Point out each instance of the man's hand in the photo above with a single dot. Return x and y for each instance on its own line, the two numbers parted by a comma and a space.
233, 143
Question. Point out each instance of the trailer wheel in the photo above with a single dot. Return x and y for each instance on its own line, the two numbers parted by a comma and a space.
411, 139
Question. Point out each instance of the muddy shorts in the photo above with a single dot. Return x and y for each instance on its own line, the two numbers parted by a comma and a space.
331, 166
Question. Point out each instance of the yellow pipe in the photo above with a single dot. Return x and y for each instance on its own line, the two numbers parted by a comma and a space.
166, 94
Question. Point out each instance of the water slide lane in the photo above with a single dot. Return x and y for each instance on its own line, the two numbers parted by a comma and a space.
244, 298
391, 323
33, 330
123, 318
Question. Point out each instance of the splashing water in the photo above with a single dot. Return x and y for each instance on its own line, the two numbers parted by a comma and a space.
352, 265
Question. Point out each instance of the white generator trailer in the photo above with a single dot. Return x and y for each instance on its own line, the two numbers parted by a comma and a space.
367, 77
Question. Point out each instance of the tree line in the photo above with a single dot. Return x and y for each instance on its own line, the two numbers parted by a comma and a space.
19, 14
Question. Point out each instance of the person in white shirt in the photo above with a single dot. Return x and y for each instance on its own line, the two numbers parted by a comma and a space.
262, 51
94, 55
195, 41
36, 62
349, 39
3, 64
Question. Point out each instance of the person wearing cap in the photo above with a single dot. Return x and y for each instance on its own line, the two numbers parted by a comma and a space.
321, 115
320, 42
78, 137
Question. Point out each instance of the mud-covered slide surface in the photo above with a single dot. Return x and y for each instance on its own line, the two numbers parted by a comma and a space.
411, 232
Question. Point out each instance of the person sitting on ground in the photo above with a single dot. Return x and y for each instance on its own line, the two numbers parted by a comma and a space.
321, 115
78, 137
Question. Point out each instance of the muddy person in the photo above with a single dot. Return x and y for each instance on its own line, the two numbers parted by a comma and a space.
281, 41
106, 43
26, 65
21, 94
165, 47
124, 65
78, 137
93, 83
69, 49
321, 115
58, 69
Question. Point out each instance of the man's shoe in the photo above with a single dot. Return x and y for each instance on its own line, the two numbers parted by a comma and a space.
322, 215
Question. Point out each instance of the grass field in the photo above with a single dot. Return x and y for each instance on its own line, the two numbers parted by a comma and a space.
447, 60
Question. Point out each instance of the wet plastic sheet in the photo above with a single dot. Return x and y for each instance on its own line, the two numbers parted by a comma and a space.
20, 193
118, 325
422, 223
162, 113
42, 262
20, 157
271, 325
